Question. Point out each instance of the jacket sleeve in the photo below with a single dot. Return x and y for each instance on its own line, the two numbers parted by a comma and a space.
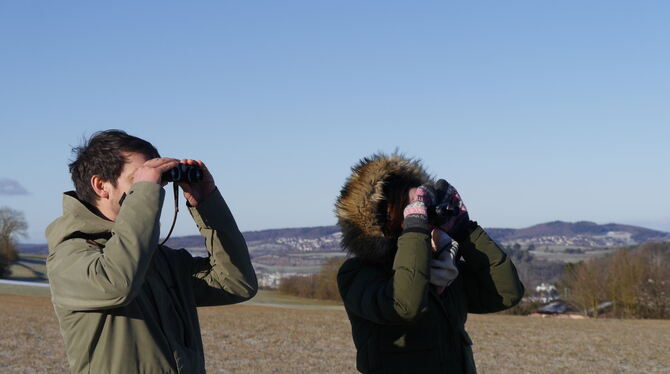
383, 298
226, 276
490, 279
83, 276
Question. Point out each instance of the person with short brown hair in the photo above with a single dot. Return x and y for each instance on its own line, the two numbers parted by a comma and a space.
126, 304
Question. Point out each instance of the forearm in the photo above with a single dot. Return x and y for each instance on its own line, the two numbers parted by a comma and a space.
228, 276
496, 282
85, 275
411, 274
370, 291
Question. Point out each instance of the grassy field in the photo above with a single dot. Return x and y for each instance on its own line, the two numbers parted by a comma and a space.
29, 268
313, 337
287, 269
275, 299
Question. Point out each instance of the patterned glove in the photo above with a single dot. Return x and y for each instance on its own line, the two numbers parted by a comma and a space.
416, 212
443, 269
452, 215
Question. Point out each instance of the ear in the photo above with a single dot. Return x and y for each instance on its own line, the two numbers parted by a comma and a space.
100, 187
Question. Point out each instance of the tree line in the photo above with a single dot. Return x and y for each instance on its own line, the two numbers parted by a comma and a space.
630, 283
322, 285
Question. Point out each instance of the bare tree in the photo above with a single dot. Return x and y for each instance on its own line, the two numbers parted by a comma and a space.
322, 285
587, 285
654, 298
625, 274
12, 225
635, 280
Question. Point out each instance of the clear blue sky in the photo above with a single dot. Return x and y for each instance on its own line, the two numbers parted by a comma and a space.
534, 110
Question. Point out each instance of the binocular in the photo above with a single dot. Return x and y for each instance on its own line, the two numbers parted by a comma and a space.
444, 210
183, 173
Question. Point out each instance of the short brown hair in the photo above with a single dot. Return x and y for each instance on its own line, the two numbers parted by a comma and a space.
102, 155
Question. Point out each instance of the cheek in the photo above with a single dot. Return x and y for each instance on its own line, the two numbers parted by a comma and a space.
125, 186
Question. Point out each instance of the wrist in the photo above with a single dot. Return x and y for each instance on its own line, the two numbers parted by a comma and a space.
415, 223
208, 192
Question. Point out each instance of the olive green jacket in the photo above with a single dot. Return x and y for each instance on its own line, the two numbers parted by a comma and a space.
126, 305
401, 325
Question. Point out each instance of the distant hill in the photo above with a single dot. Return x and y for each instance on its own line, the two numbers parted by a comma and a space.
309, 234
583, 234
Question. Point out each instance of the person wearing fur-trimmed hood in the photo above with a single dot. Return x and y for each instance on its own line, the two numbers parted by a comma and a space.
407, 286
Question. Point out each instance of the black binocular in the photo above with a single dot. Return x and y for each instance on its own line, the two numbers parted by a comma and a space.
445, 210
183, 173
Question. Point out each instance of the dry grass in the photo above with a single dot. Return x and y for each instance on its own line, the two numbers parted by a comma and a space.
514, 344
30, 341
264, 339
256, 339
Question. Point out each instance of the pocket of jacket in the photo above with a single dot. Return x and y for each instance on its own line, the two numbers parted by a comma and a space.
407, 338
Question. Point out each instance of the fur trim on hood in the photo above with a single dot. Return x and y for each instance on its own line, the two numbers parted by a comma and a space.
361, 208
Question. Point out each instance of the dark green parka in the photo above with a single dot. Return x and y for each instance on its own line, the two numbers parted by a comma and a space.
126, 305
399, 323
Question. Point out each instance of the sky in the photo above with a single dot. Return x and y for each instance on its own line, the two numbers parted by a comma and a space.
535, 110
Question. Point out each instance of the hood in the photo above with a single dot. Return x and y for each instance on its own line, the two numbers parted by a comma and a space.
361, 207
77, 220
